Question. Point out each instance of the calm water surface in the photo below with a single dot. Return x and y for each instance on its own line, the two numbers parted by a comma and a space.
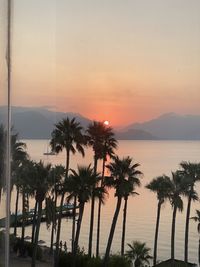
156, 158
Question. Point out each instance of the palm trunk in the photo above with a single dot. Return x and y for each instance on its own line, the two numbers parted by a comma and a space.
34, 222
37, 234
73, 224
16, 209
112, 230
98, 229
137, 263
99, 213
173, 232
156, 233
23, 217
58, 231
124, 226
92, 215
199, 251
53, 224
80, 217
56, 260
187, 227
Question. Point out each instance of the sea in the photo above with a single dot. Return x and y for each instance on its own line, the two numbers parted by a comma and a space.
155, 158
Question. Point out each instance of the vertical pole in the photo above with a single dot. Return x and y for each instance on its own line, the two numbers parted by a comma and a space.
8, 141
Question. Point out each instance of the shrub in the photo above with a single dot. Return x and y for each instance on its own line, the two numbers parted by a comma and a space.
94, 262
117, 260
27, 249
82, 260
66, 259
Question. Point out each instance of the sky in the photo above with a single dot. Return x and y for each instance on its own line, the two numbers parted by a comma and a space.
122, 61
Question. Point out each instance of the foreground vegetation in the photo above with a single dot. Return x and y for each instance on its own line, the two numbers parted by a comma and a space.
49, 184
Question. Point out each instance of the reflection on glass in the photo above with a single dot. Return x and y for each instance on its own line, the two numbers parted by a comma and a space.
84, 73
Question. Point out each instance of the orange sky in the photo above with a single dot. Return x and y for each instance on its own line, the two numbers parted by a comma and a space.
123, 61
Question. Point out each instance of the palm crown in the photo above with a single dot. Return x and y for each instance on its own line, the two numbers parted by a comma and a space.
124, 176
138, 252
66, 135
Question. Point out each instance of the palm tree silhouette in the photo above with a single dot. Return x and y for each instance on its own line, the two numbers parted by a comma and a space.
23, 183
57, 173
109, 145
133, 181
139, 253
191, 171
121, 172
81, 185
19, 158
66, 136
177, 190
197, 219
95, 135
42, 182
162, 186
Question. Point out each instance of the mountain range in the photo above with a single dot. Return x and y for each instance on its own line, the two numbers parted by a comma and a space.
38, 123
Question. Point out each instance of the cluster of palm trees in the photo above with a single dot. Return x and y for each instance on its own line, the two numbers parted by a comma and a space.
87, 184
181, 184
57, 183
54, 185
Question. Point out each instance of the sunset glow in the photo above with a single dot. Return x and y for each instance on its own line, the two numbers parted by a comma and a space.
106, 123
128, 61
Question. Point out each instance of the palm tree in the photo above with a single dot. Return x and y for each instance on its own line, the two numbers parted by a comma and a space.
42, 184
81, 184
160, 185
95, 135
66, 136
178, 189
133, 181
121, 171
24, 188
57, 173
191, 172
197, 219
19, 159
139, 253
109, 145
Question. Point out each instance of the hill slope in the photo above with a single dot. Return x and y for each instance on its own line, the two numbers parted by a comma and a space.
37, 123
171, 126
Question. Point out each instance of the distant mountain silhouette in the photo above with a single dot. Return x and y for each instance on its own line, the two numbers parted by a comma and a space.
171, 126
134, 134
37, 123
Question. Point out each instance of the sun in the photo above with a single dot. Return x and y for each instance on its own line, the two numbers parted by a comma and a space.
106, 122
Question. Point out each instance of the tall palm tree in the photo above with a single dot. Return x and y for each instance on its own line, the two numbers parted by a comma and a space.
162, 186
191, 171
120, 171
23, 184
139, 253
178, 189
42, 183
109, 145
67, 136
81, 184
95, 135
197, 219
20, 158
134, 176
58, 173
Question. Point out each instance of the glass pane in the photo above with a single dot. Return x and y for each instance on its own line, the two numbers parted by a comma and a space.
129, 65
